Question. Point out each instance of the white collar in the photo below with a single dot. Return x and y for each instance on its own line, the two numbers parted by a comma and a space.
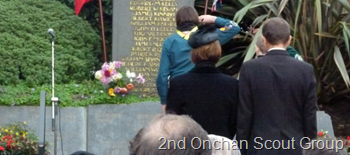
276, 48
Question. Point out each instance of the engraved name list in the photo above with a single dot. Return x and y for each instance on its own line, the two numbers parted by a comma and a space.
153, 21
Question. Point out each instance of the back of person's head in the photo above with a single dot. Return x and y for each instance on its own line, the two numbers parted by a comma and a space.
276, 31
205, 44
260, 45
223, 146
82, 153
170, 135
187, 14
210, 52
324, 146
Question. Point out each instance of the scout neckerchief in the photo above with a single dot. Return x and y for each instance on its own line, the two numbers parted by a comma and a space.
186, 36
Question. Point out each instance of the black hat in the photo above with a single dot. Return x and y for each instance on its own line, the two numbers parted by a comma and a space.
204, 35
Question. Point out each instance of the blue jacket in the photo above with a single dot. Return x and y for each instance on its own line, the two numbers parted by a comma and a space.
176, 55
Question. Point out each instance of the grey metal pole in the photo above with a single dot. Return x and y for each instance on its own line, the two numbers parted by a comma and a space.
42, 123
54, 99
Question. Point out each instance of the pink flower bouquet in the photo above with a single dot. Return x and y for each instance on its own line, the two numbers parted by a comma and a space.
118, 80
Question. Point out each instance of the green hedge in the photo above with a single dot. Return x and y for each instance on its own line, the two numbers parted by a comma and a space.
70, 95
90, 12
25, 48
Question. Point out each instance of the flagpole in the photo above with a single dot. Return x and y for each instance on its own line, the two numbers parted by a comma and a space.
102, 31
206, 7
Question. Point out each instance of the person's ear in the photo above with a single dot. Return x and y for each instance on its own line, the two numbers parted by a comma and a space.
263, 39
256, 50
289, 41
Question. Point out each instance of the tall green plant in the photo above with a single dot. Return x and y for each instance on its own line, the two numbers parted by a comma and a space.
320, 30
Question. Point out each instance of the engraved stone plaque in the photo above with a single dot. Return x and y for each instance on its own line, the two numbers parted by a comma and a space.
139, 29
324, 122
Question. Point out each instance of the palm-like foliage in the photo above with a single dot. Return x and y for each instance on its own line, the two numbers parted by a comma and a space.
228, 9
321, 33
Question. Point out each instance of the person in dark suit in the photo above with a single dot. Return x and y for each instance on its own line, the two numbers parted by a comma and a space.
277, 108
204, 93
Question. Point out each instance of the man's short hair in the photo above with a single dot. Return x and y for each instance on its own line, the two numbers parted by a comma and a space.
276, 31
326, 147
169, 135
260, 44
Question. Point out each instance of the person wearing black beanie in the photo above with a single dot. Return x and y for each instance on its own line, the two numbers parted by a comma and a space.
204, 93
176, 52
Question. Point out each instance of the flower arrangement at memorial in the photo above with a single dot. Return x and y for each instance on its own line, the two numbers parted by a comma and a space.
117, 79
322, 134
17, 139
347, 144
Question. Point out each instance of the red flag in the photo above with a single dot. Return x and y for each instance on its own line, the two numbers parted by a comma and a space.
79, 4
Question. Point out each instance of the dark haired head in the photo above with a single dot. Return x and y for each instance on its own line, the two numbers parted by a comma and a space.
187, 14
276, 31
205, 44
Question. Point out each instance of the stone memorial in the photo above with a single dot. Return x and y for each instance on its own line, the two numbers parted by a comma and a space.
111, 127
324, 122
139, 29
101, 129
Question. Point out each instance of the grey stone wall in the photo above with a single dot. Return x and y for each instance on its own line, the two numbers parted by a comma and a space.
110, 127
100, 129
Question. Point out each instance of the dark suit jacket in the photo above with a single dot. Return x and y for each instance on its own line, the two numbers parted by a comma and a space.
208, 96
277, 102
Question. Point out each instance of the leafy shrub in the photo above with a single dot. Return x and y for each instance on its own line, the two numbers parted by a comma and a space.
26, 50
70, 95
17, 139
90, 12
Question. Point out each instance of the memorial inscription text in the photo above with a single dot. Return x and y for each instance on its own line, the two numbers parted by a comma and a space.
153, 21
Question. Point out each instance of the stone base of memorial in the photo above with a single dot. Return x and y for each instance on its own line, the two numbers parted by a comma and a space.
100, 129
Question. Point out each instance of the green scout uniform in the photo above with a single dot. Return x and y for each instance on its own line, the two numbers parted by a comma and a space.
294, 53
